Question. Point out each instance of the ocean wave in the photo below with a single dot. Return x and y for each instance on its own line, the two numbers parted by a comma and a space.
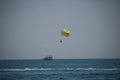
58, 69
105, 69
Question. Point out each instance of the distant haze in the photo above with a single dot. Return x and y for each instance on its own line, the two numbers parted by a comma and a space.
30, 29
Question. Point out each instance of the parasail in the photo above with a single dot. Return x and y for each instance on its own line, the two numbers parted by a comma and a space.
65, 33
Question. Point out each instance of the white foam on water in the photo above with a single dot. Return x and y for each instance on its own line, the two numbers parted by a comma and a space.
98, 69
58, 69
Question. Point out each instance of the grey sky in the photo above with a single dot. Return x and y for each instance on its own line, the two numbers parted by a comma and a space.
30, 29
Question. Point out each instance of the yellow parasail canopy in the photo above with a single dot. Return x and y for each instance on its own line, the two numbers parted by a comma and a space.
65, 33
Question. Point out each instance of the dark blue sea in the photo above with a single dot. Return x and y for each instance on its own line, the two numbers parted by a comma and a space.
60, 69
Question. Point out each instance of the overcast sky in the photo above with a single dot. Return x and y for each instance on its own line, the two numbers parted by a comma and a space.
30, 29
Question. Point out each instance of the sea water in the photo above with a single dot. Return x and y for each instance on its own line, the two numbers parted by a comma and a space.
60, 69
